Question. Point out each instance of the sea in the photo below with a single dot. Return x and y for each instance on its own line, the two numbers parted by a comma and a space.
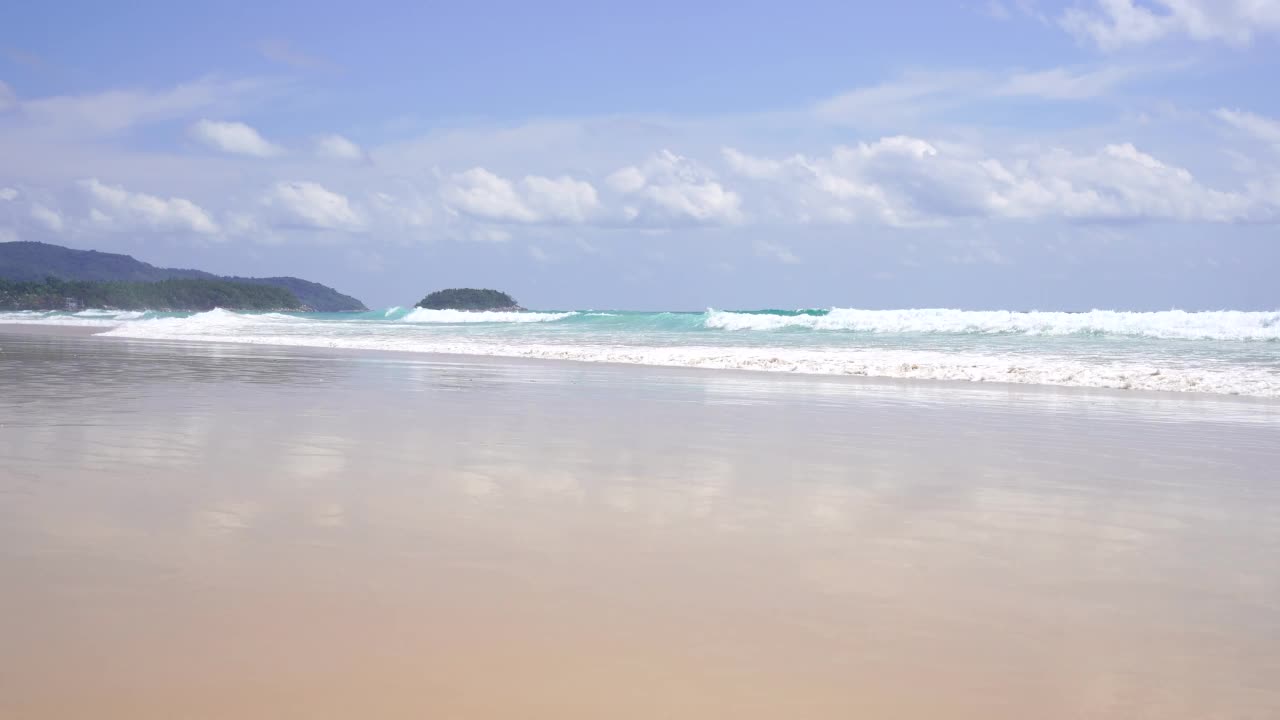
1228, 352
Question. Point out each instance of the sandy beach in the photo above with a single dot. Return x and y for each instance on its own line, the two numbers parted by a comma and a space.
220, 531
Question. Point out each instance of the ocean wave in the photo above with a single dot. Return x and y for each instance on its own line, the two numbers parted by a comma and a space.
98, 318
1169, 324
1128, 373
210, 322
423, 315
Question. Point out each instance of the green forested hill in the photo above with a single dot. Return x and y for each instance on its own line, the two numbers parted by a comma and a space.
468, 299
33, 262
174, 294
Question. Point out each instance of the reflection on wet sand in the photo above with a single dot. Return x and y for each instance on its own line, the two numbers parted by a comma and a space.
208, 532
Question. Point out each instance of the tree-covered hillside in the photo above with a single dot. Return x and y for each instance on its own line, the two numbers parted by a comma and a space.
177, 294
469, 299
33, 261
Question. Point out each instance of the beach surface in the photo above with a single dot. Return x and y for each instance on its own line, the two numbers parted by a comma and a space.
210, 531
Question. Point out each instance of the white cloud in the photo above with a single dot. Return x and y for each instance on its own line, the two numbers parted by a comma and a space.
669, 188
8, 193
233, 137
311, 205
336, 147
1118, 182
1065, 83
909, 181
1117, 24
1262, 128
47, 217
118, 110
535, 199
562, 198
902, 99
749, 166
114, 208
915, 96
827, 189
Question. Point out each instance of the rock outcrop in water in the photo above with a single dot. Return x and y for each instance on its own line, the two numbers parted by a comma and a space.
470, 299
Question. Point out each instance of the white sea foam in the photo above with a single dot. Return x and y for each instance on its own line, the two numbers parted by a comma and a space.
1170, 324
1167, 373
95, 319
216, 322
423, 315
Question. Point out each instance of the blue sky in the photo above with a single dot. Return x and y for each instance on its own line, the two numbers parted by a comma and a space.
1010, 153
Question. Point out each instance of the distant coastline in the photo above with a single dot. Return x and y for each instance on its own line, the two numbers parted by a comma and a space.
176, 295
34, 262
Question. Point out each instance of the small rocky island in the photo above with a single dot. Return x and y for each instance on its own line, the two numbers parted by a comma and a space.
470, 299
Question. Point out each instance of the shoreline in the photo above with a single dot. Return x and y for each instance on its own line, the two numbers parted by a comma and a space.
51, 330
912, 386
459, 536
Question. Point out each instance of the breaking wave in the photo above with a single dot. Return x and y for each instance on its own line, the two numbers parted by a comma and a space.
423, 315
1169, 324
1228, 352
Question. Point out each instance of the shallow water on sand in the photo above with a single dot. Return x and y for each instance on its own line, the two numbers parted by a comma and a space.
216, 531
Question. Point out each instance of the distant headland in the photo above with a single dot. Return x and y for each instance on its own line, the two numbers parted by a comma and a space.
178, 294
470, 299
40, 276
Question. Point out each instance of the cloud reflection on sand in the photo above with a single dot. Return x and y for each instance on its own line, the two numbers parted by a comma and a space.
753, 541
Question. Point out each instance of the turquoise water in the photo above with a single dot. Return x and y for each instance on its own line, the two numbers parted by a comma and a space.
1229, 352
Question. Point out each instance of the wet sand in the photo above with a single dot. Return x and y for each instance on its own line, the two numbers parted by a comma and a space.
216, 531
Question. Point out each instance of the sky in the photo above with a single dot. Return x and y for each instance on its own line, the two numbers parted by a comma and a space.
1017, 154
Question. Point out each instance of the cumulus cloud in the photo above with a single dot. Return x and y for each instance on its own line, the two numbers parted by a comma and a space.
336, 147
669, 188
535, 199
825, 189
1117, 24
117, 209
909, 181
311, 205
8, 193
47, 217
233, 137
